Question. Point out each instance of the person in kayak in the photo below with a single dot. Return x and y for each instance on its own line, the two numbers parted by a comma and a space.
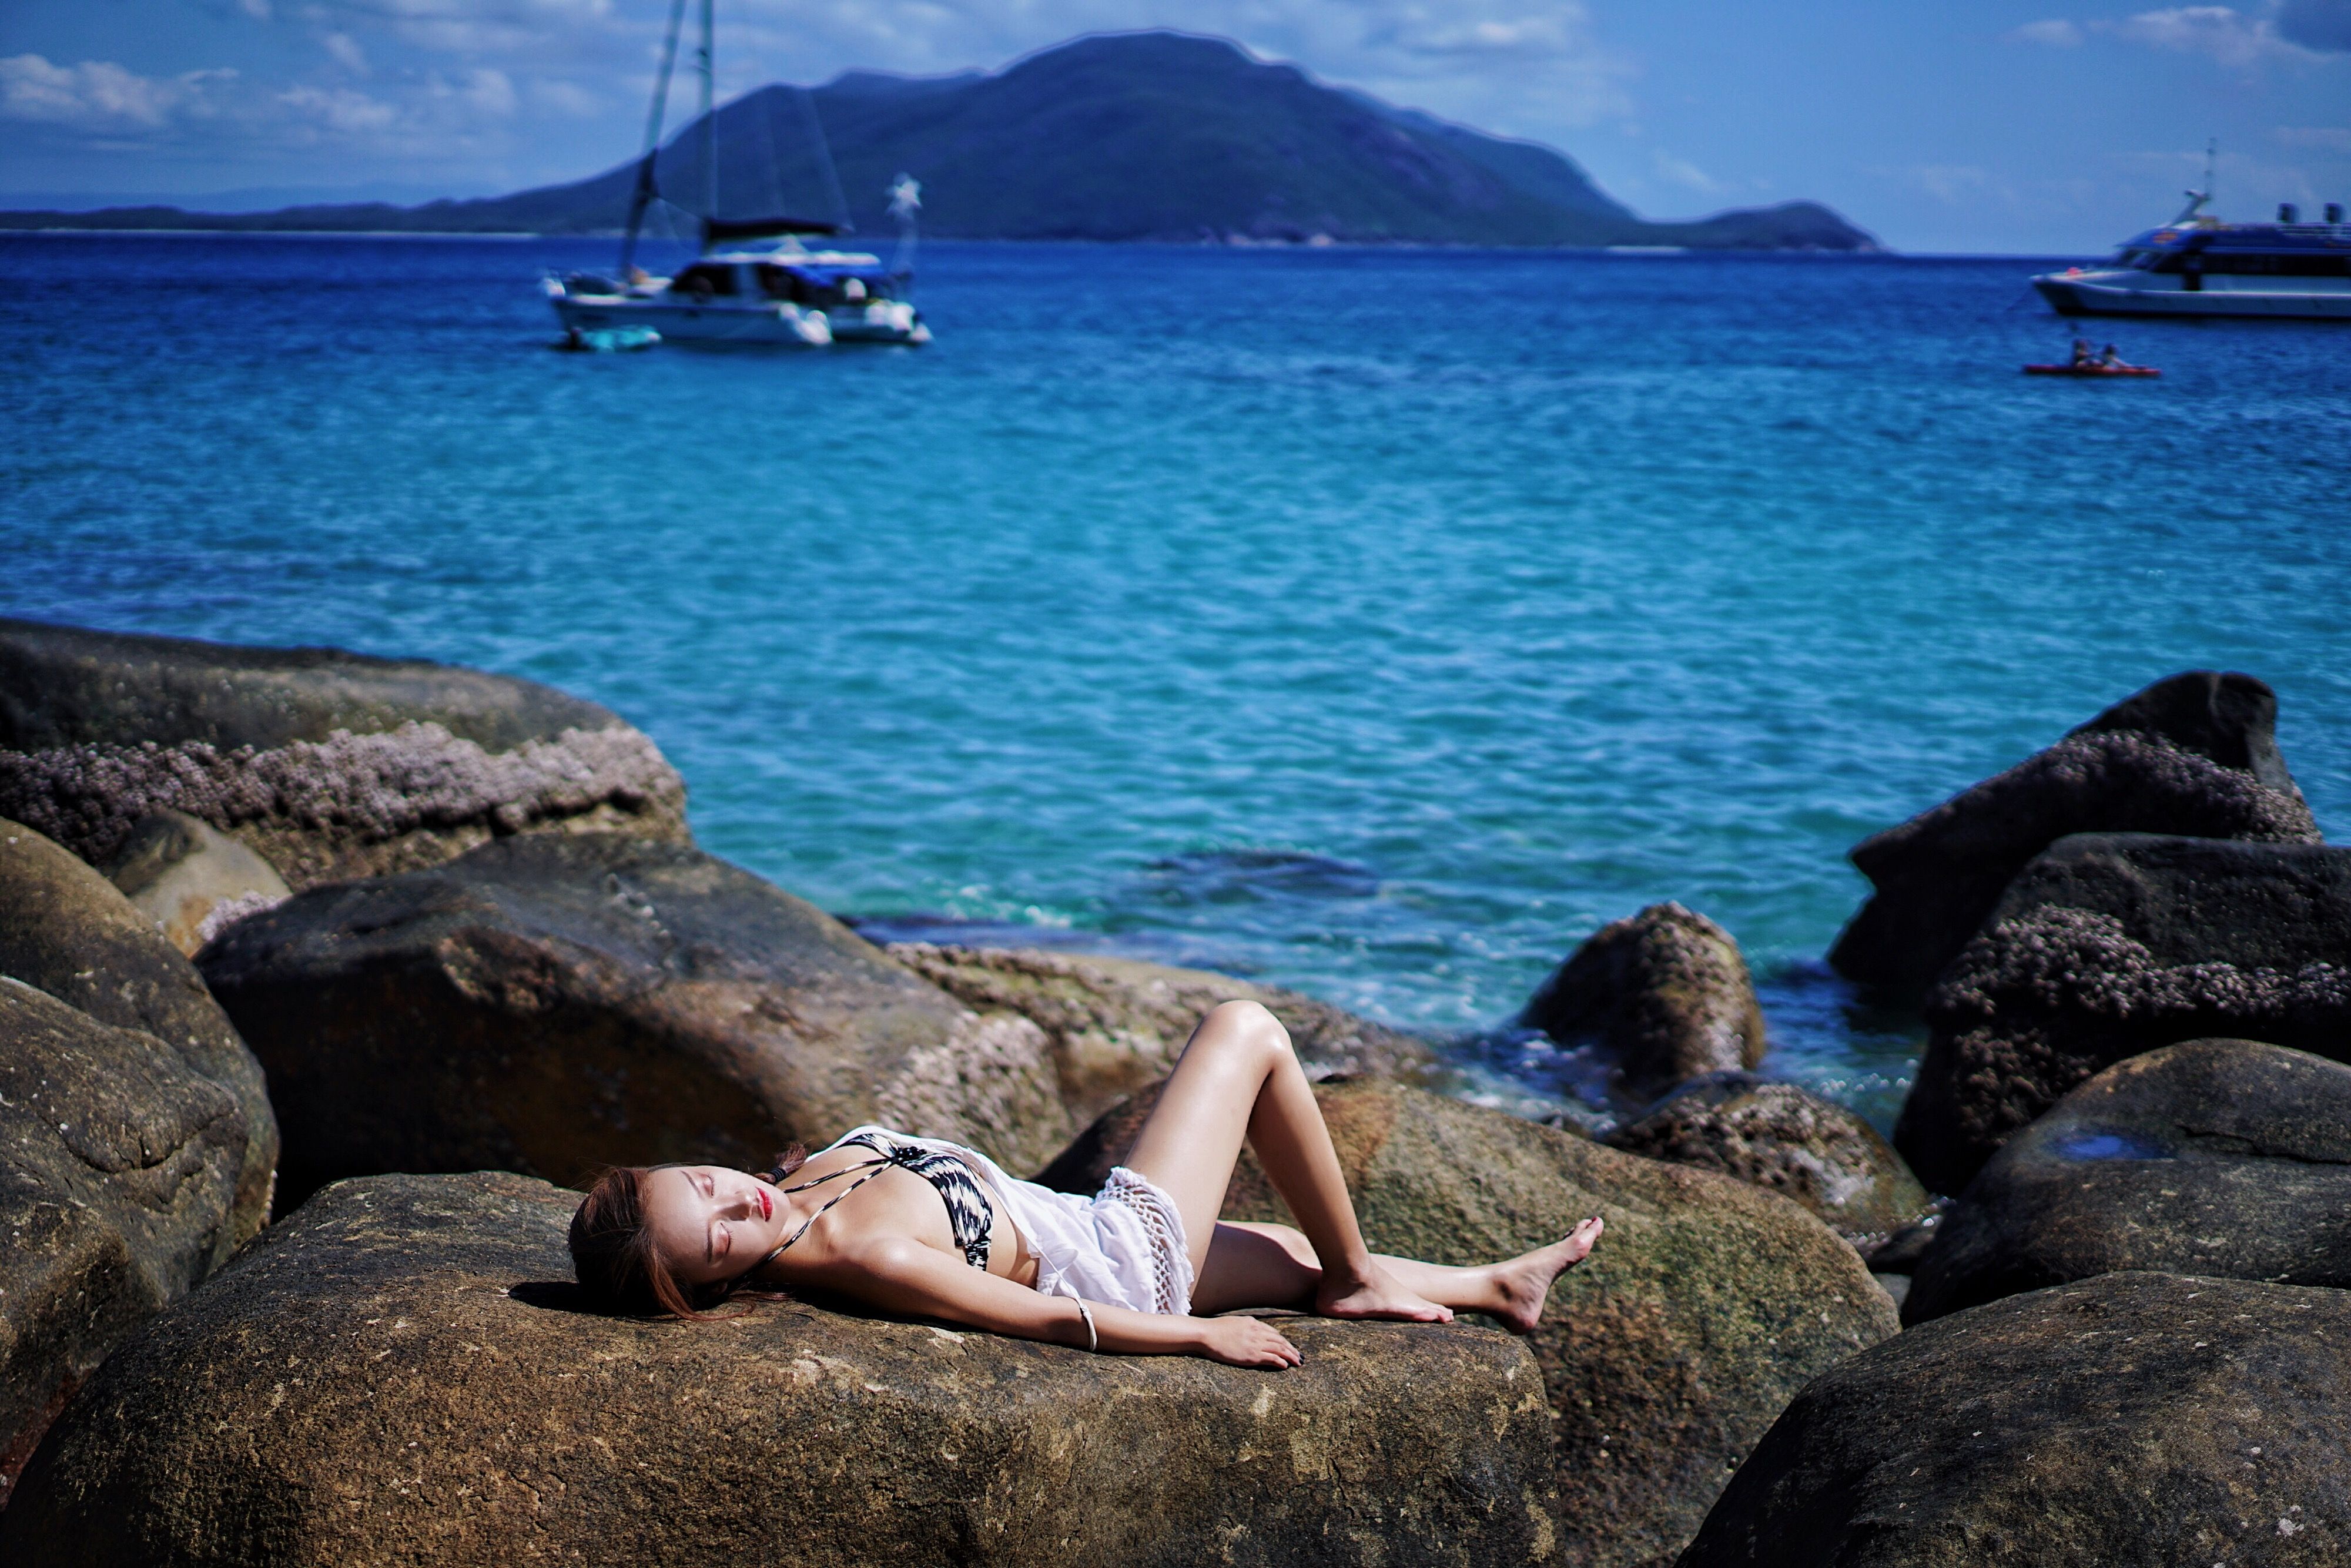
925, 1228
2081, 352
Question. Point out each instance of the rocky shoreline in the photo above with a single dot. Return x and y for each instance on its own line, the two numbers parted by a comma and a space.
323, 977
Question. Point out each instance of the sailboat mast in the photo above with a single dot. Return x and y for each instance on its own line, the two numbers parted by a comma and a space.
710, 123
643, 196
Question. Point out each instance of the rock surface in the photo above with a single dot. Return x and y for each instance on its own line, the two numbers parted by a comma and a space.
120, 1176
1665, 1356
2224, 1158
2194, 753
1116, 1024
2111, 945
191, 879
2133, 1420
1783, 1140
66, 930
1666, 992
328, 764
554, 1003
390, 1376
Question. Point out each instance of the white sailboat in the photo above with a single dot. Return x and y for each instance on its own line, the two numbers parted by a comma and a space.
757, 281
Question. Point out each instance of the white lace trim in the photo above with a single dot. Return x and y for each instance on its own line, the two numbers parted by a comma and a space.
1171, 1259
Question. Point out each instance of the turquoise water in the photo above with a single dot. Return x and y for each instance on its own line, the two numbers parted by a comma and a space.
1374, 622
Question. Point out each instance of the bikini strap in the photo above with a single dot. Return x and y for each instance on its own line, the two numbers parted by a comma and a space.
873, 1167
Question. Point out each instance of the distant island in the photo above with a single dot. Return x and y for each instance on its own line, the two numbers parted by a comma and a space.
1134, 136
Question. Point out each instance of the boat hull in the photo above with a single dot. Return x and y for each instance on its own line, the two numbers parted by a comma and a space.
881, 321
753, 323
2135, 293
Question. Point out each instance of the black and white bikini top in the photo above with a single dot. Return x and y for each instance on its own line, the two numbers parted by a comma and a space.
970, 1216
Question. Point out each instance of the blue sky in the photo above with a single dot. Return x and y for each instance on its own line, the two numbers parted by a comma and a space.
2011, 125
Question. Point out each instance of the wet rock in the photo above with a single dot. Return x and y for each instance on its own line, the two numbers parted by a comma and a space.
2194, 753
1905, 1249
66, 930
555, 1003
1666, 992
2111, 945
2135, 1420
192, 880
328, 763
1116, 1024
1783, 1140
119, 1174
1665, 1356
393, 1376
2223, 1157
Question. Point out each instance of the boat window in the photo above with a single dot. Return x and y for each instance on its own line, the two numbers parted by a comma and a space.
2278, 264
705, 277
782, 283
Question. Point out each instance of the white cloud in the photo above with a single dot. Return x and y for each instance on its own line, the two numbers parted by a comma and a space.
345, 52
2057, 33
95, 95
565, 98
1954, 184
2220, 32
343, 110
2317, 138
489, 93
1681, 172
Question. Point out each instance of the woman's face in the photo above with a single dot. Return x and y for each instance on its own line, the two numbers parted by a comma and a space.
710, 1223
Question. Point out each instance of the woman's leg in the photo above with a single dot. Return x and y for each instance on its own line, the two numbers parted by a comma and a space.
1274, 1266
1239, 1078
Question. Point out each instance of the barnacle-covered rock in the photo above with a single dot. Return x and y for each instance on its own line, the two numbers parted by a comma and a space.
328, 764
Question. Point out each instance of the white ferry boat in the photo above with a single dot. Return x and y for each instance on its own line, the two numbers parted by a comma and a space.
2197, 266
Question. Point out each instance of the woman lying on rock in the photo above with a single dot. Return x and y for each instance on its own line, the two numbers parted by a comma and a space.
917, 1227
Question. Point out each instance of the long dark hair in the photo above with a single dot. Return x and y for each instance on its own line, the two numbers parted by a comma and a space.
612, 1250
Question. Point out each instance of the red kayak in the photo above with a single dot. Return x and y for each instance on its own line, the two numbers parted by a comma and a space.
2092, 371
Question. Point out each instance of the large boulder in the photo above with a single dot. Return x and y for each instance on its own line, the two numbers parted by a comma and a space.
1664, 992
191, 879
1783, 1140
2111, 945
120, 1169
554, 1003
2194, 753
2133, 1420
395, 1375
1117, 1024
1665, 1356
2221, 1157
66, 930
330, 765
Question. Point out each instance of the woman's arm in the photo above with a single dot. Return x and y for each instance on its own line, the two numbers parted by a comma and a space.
901, 1275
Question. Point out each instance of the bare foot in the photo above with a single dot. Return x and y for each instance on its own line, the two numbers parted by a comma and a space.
1376, 1295
1524, 1281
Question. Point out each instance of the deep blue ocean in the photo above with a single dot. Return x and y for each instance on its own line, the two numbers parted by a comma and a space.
1373, 622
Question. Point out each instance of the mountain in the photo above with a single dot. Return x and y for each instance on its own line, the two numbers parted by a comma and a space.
1130, 136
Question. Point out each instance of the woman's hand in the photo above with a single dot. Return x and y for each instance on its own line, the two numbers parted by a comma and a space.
1247, 1341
